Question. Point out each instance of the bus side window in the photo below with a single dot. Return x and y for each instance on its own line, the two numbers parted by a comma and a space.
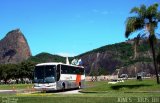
79, 71
72, 70
64, 69
58, 72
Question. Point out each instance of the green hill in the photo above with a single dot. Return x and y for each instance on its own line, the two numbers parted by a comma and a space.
46, 57
120, 56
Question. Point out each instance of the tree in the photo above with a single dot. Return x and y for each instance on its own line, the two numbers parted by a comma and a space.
8, 71
158, 60
102, 71
136, 43
26, 70
145, 19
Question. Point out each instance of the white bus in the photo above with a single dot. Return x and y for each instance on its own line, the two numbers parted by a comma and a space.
58, 76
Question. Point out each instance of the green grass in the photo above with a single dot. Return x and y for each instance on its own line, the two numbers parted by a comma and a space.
96, 92
61, 99
15, 86
82, 98
148, 85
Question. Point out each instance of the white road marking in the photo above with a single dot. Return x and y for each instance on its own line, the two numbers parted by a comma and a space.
6, 90
69, 92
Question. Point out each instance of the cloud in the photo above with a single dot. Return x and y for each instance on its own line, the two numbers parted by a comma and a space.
64, 54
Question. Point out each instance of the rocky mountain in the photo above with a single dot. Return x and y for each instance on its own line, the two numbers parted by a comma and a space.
110, 59
119, 57
14, 48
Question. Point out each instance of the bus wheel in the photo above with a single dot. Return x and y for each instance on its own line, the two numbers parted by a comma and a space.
79, 85
63, 86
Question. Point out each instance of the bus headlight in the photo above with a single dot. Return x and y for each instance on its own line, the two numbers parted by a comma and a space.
36, 85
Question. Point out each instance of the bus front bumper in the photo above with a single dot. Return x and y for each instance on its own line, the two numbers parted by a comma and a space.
45, 87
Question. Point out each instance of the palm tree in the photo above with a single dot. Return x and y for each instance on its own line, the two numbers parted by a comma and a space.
136, 43
145, 19
158, 59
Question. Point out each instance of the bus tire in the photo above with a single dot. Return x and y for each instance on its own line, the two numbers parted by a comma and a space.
79, 85
63, 86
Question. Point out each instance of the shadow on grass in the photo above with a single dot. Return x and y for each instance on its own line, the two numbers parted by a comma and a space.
59, 91
117, 87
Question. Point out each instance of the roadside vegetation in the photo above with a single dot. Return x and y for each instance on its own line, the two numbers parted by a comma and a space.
146, 85
16, 86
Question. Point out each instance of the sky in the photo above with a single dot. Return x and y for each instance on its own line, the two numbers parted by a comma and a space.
68, 27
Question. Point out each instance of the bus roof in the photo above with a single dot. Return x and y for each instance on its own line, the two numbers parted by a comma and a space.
49, 63
56, 63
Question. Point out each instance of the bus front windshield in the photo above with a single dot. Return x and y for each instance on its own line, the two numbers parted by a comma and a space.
44, 74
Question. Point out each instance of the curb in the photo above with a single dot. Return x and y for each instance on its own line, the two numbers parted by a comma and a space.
144, 92
93, 91
122, 92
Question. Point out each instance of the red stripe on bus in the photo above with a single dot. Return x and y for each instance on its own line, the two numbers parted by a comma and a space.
78, 79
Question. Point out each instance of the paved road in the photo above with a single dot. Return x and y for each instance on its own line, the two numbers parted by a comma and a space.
7, 92
75, 91
69, 92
